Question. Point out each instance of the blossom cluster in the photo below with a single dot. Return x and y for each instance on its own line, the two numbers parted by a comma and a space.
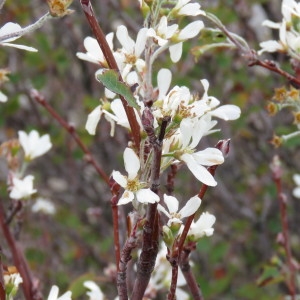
191, 116
289, 34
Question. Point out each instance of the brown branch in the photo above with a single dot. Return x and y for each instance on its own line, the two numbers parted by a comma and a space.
30, 289
188, 274
71, 130
151, 228
100, 37
277, 172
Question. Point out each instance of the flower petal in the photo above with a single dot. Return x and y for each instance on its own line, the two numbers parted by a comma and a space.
127, 197
93, 120
119, 178
146, 196
190, 207
131, 162
198, 170
172, 203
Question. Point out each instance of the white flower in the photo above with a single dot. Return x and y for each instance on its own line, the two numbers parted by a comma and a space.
95, 292
8, 34
173, 214
34, 145
208, 105
43, 205
188, 32
203, 226
163, 32
94, 53
54, 294
133, 187
12, 281
191, 133
184, 8
22, 188
296, 190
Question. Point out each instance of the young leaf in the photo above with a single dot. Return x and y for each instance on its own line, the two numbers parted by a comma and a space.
110, 79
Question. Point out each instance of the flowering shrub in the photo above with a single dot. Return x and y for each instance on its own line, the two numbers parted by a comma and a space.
166, 129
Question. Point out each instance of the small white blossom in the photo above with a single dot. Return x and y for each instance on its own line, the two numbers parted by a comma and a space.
53, 295
12, 281
94, 292
34, 145
203, 226
296, 190
184, 8
133, 187
94, 53
173, 214
43, 205
11, 29
22, 188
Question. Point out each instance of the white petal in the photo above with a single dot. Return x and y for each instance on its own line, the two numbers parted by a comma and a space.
131, 162
10, 28
191, 30
53, 293
227, 112
93, 49
164, 77
269, 46
175, 52
296, 178
186, 133
198, 171
191, 207
140, 41
93, 120
31, 49
146, 196
191, 9
296, 192
125, 40
209, 157
172, 203
127, 197
3, 97
163, 210
119, 178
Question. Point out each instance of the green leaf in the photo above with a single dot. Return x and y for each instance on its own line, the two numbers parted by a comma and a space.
110, 79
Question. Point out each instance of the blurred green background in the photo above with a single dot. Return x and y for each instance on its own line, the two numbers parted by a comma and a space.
76, 243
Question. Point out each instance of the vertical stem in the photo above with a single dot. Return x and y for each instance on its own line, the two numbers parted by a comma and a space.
172, 291
30, 291
100, 37
276, 169
189, 276
2, 286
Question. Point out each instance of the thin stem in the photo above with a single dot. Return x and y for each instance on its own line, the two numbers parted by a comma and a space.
122, 266
151, 233
2, 286
277, 172
2, 3
100, 37
172, 291
30, 290
251, 55
26, 30
188, 274
71, 130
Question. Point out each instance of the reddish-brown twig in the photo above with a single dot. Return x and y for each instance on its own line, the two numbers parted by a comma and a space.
277, 172
30, 290
71, 130
100, 37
